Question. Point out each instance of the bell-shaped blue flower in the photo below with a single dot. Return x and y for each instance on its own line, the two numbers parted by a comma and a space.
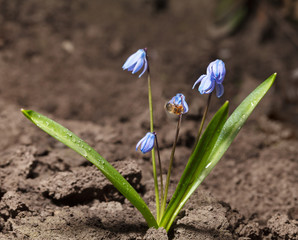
136, 61
216, 72
147, 143
177, 105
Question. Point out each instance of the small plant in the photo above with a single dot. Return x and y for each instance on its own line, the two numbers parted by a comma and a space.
209, 147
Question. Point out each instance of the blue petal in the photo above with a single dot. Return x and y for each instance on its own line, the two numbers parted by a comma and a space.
139, 142
182, 102
219, 90
221, 71
133, 59
199, 80
145, 68
130, 61
178, 98
185, 107
211, 88
147, 143
209, 68
217, 70
138, 65
131, 67
206, 84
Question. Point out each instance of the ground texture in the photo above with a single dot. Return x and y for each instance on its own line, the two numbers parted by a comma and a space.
64, 60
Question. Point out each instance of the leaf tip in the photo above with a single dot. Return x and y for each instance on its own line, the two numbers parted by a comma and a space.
226, 104
274, 75
26, 112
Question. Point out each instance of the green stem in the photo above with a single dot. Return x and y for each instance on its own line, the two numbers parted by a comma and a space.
203, 121
153, 152
160, 172
163, 206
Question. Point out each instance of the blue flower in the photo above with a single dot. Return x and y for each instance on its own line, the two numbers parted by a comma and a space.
136, 61
147, 143
177, 105
216, 72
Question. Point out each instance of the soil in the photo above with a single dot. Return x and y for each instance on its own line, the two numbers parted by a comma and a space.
64, 58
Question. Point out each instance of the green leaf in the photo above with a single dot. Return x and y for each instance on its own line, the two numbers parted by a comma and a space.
195, 162
238, 118
65, 136
211, 156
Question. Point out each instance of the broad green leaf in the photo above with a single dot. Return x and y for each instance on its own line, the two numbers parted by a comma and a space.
197, 159
237, 120
227, 134
65, 136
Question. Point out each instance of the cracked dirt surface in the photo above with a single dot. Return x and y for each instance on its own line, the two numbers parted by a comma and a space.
64, 59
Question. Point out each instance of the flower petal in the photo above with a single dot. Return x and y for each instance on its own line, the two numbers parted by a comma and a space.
178, 98
217, 70
220, 71
139, 142
138, 65
199, 80
185, 107
131, 60
147, 143
131, 67
206, 84
128, 62
211, 88
219, 90
209, 68
145, 68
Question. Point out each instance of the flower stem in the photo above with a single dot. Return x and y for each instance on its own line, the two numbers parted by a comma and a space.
163, 206
203, 121
153, 152
160, 172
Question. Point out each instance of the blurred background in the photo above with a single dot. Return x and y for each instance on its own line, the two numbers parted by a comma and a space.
65, 57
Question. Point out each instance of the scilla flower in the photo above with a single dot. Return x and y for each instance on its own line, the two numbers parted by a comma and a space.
177, 105
147, 143
216, 72
136, 61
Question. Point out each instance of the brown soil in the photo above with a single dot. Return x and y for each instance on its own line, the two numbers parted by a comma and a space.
64, 59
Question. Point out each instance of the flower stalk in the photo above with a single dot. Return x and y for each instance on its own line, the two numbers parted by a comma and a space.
156, 188
164, 201
160, 176
203, 121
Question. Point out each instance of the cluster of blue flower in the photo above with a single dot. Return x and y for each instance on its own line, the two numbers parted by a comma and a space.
213, 79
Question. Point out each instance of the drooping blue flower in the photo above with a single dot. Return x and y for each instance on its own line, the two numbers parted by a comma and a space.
177, 105
136, 61
147, 143
216, 72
